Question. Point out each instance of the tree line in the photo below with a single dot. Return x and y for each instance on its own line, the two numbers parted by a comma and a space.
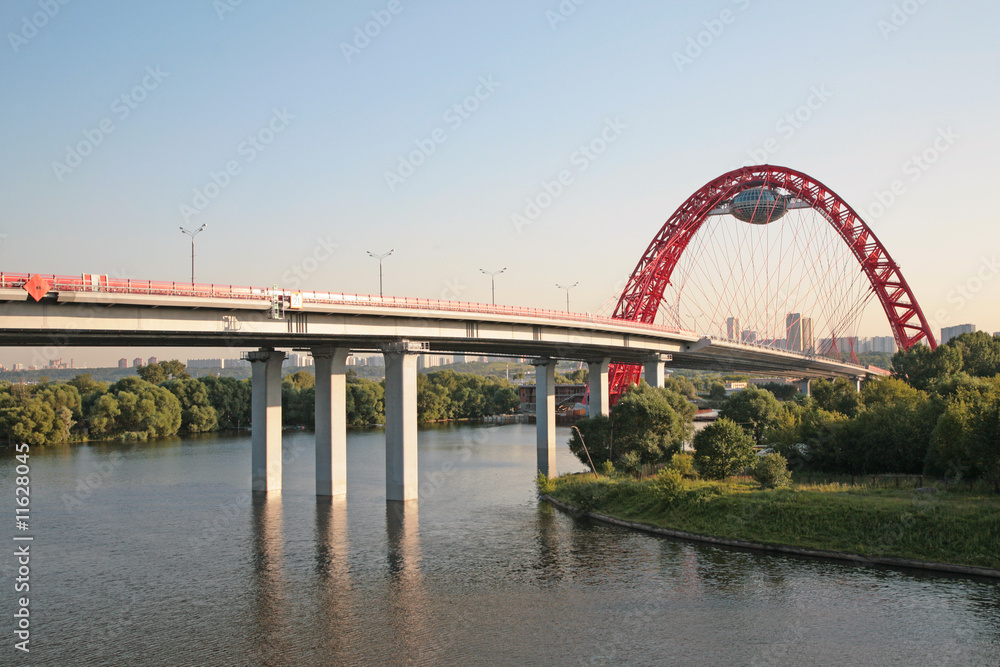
164, 400
939, 415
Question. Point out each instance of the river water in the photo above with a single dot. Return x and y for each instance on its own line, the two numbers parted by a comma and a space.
156, 554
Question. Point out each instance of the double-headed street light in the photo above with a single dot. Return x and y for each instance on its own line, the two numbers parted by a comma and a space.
380, 258
493, 281
192, 234
567, 288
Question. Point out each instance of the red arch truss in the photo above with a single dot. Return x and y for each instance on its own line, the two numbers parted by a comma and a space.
641, 297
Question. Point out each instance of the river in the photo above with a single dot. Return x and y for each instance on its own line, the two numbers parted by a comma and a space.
156, 554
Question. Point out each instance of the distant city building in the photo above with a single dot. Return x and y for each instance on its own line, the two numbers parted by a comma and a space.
205, 363
297, 360
733, 328
151, 361
733, 387
747, 336
137, 362
18, 367
799, 333
885, 344
947, 333
123, 363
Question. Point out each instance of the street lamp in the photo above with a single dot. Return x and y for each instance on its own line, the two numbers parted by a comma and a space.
380, 258
567, 288
493, 281
192, 234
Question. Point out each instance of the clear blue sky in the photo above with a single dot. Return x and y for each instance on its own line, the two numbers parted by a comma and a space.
338, 119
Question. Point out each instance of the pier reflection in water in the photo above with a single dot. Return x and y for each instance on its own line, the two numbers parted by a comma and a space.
171, 561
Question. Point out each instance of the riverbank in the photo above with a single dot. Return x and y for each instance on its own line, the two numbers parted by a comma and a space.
931, 529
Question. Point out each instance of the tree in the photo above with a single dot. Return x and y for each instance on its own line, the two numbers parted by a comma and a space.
782, 391
754, 409
839, 395
163, 370
231, 400
197, 413
651, 422
722, 449
771, 471
300, 380
921, 367
365, 402
136, 408
596, 433
980, 353
717, 391
683, 386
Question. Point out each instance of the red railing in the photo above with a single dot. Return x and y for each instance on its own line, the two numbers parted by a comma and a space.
129, 286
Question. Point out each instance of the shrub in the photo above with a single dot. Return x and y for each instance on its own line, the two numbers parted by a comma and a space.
607, 468
771, 471
630, 462
668, 485
722, 449
544, 484
684, 464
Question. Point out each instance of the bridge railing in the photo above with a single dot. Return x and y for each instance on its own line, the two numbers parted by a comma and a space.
105, 284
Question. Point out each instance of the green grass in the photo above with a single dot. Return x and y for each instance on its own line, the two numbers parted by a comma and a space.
947, 527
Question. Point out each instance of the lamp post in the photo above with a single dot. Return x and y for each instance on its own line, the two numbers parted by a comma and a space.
192, 234
380, 258
493, 281
567, 288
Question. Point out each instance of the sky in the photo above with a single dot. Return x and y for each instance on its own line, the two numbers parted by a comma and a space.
304, 135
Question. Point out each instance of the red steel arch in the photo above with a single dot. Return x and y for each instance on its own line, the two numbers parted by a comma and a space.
641, 297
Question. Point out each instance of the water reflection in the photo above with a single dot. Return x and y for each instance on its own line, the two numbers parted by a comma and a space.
268, 578
549, 565
408, 604
335, 601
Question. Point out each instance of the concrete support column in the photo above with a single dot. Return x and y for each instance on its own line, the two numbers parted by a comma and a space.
654, 370
857, 384
805, 386
597, 372
331, 420
401, 419
265, 412
545, 414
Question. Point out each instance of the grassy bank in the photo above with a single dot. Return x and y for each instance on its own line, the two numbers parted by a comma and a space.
945, 527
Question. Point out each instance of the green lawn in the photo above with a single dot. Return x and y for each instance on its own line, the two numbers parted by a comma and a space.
947, 527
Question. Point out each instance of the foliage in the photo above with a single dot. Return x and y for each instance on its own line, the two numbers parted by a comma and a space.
783, 391
607, 468
722, 449
544, 484
683, 386
684, 464
668, 485
33, 419
717, 391
197, 413
754, 409
839, 395
449, 395
162, 371
596, 432
651, 422
134, 408
365, 402
231, 400
771, 471
578, 376
921, 367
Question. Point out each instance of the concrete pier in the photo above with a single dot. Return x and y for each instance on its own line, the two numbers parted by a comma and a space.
654, 370
597, 372
401, 479
331, 420
265, 411
545, 414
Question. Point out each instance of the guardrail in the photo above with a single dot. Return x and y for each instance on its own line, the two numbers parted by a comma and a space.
197, 290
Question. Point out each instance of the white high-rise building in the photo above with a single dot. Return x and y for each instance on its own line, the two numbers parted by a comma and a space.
947, 333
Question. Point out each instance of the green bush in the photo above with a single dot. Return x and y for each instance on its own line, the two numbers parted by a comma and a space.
544, 484
607, 468
630, 462
684, 464
771, 471
722, 449
668, 485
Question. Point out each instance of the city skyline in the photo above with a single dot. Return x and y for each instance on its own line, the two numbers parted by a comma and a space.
302, 161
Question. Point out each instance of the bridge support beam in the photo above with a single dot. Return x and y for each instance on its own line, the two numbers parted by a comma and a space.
654, 370
545, 414
597, 377
331, 420
857, 384
401, 477
805, 386
265, 413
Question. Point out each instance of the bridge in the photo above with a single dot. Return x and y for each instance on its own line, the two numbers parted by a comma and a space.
95, 310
